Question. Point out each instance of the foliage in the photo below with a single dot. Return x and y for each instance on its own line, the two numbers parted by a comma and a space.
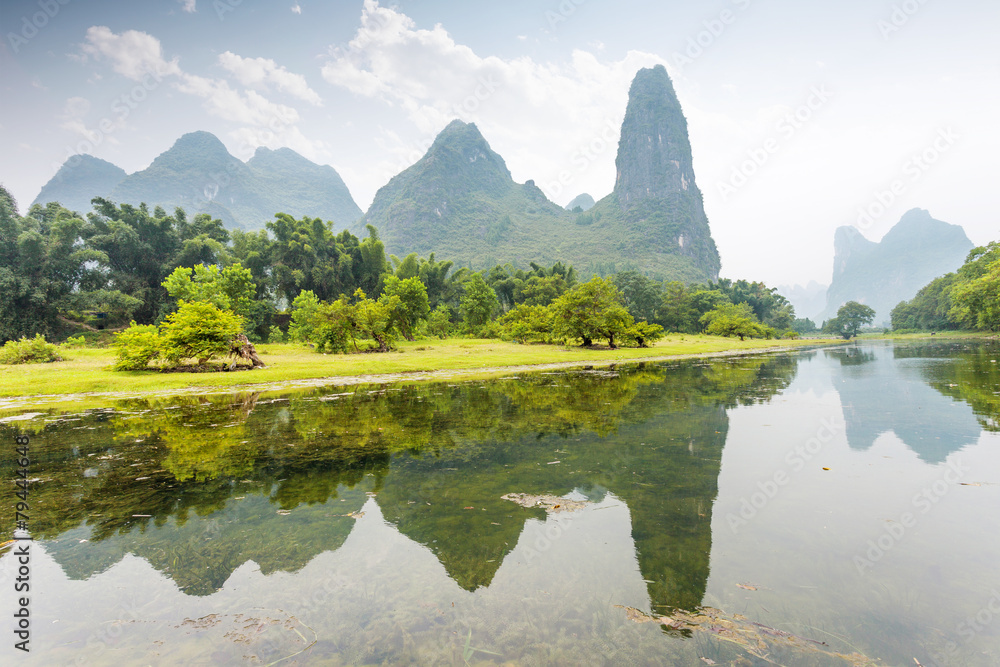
137, 346
525, 323
928, 309
478, 303
374, 319
768, 306
729, 319
803, 326
849, 320
643, 333
412, 305
77, 341
41, 265
439, 322
198, 330
590, 311
29, 351
640, 295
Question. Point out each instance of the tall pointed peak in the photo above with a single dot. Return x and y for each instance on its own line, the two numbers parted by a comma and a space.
654, 153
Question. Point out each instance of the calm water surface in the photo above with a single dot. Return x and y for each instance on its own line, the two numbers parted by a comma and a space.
826, 507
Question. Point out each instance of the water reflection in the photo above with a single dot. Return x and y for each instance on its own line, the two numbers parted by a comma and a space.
199, 486
888, 389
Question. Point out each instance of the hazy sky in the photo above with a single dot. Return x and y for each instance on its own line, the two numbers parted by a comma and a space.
801, 113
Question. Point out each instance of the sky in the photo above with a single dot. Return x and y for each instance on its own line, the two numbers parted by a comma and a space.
803, 115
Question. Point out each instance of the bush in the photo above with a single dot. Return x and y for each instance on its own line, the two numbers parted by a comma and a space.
643, 333
439, 322
275, 334
29, 351
79, 341
199, 330
137, 346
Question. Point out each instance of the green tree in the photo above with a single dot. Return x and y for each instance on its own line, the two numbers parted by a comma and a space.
199, 330
439, 322
478, 303
849, 320
590, 311
929, 309
305, 311
729, 319
412, 303
640, 295
373, 319
232, 288
525, 322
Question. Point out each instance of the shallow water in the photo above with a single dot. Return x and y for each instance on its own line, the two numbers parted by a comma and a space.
826, 503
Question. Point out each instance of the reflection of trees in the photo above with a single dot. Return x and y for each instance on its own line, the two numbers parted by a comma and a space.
969, 373
215, 475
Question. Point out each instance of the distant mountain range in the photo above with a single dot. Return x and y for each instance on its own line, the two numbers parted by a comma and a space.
460, 201
198, 174
914, 252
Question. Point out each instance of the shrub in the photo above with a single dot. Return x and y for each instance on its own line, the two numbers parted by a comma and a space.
137, 346
643, 333
199, 330
79, 341
439, 322
29, 351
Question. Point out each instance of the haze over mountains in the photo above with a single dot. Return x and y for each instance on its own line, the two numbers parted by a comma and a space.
198, 174
460, 202
911, 254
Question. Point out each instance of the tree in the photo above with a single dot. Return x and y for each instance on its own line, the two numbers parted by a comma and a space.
525, 322
729, 319
929, 309
640, 295
850, 318
232, 288
589, 311
198, 330
374, 320
479, 303
412, 303
439, 322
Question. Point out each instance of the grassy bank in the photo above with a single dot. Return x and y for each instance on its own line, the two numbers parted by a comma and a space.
88, 370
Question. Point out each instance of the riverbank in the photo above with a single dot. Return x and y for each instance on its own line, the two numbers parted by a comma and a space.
87, 371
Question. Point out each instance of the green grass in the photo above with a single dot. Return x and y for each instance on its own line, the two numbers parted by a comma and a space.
88, 370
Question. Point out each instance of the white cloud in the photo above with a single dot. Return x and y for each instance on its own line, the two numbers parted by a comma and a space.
132, 54
188, 5
261, 122
76, 107
296, 8
544, 119
260, 72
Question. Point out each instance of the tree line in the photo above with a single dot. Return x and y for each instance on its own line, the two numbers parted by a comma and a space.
298, 279
967, 299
